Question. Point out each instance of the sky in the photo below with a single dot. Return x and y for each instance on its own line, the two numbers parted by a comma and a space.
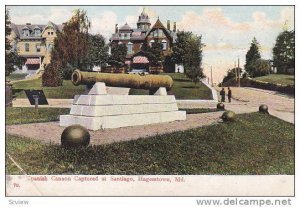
227, 31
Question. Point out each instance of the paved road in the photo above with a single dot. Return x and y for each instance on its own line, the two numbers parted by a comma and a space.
249, 99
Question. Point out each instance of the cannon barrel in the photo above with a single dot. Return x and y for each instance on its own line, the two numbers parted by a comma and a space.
147, 82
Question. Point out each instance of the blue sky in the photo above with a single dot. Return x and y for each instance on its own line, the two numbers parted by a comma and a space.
226, 30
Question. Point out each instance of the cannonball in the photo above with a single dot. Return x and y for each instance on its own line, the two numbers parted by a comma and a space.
220, 106
228, 116
263, 109
75, 136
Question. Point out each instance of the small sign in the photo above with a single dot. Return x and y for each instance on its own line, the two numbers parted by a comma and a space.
32, 95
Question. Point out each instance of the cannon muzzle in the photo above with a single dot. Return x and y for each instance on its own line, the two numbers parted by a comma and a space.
147, 82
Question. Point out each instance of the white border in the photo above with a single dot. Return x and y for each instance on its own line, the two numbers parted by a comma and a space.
113, 201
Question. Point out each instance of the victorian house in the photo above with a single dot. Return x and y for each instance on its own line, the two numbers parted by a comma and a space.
34, 42
134, 38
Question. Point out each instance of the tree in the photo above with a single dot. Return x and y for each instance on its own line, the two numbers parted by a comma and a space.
284, 51
118, 55
252, 55
232, 74
188, 51
261, 67
195, 73
12, 60
71, 45
153, 53
98, 52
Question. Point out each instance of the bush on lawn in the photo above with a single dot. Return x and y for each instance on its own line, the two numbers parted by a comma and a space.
52, 76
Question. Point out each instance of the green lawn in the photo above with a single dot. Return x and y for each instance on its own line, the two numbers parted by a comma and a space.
16, 76
23, 115
67, 91
254, 144
278, 78
183, 88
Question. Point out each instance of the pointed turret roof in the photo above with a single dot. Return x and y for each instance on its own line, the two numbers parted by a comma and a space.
144, 18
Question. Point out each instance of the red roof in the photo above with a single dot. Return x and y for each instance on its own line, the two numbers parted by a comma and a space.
140, 59
32, 61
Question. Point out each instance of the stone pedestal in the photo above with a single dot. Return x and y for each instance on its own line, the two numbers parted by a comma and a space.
99, 110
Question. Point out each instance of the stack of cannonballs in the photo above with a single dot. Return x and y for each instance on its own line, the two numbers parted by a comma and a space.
75, 136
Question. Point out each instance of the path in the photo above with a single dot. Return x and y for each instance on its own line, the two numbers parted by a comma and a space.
280, 105
50, 132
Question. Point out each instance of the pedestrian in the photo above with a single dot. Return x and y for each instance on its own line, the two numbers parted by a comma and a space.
229, 94
222, 94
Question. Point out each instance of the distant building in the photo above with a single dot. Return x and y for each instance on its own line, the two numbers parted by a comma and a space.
34, 43
144, 33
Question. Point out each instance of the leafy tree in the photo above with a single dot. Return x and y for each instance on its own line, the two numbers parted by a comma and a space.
71, 45
261, 67
232, 74
195, 73
188, 51
98, 52
153, 53
284, 51
12, 60
118, 55
252, 55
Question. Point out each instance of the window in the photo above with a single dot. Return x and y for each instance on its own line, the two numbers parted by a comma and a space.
37, 32
160, 33
49, 47
164, 44
27, 47
51, 33
38, 47
48, 33
129, 48
151, 42
25, 32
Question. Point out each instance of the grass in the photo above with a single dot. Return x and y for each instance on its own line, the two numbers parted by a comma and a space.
183, 88
278, 79
67, 91
16, 76
255, 144
198, 110
22, 115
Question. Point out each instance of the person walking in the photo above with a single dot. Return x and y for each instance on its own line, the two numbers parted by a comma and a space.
229, 94
222, 94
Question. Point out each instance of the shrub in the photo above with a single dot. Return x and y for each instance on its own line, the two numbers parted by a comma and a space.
52, 77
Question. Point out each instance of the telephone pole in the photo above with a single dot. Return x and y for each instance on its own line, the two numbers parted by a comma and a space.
211, 77
238, 69
235, 73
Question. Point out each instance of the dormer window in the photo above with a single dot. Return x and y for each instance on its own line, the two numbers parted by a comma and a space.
25, 32
37, 32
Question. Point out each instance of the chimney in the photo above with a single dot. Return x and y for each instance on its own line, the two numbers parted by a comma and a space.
116, 28
168, 25
174, 27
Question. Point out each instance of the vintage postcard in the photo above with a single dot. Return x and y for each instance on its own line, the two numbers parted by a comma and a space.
150, 100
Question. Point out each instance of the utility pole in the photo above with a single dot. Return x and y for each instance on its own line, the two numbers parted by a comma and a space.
211, 77
235, 73
238, 69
